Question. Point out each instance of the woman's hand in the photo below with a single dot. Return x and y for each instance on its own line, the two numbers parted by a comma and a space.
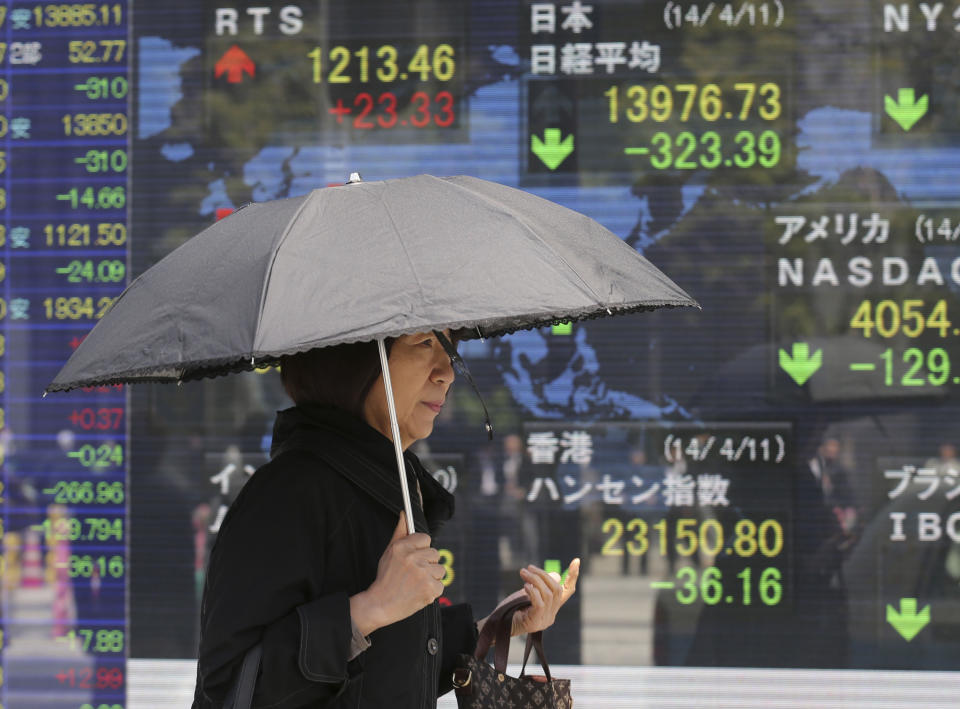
408, 579
547, 594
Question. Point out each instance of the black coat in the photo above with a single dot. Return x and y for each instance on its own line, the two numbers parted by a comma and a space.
306, 532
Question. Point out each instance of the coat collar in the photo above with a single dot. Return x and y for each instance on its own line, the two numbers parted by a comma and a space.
365, 457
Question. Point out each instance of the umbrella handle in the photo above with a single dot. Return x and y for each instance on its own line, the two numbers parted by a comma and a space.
395, 431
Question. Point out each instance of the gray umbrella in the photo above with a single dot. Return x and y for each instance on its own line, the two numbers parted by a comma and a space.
361, 262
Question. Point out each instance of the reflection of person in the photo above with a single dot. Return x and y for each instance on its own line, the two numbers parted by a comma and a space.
520, 528
946, 462
313, 560
812, 611
200, 519
833, 478
640, 468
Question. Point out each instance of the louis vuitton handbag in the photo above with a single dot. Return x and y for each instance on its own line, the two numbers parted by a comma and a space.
480, 686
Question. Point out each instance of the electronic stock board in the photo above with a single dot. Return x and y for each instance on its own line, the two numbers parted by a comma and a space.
771, 482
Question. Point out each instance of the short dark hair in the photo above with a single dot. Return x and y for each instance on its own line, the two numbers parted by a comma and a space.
340, 376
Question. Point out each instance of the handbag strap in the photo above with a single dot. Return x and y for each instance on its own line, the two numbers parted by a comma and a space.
247, 679
497, 629
498, 625
535, 640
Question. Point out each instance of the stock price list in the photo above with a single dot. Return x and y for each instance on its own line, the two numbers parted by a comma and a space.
723, 539
725, 523
864, 303
738, 125
64, 132
704, 513
390, 85
613, 90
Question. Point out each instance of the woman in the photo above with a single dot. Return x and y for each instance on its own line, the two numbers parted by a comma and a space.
313, 560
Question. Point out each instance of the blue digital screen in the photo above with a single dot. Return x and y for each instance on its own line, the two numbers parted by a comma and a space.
770, 483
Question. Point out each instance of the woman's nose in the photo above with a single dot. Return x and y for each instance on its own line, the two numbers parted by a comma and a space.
443, 369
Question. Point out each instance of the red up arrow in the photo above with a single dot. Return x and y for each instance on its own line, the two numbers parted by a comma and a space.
234, 62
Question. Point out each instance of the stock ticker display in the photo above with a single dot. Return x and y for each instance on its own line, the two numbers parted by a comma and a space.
772, 481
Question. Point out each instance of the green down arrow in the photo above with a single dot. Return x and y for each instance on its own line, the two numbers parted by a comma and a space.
799, 364
906, 110
551, 150
552, 566
908, 622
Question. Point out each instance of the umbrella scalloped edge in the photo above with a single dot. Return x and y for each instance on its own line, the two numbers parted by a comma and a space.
211, 368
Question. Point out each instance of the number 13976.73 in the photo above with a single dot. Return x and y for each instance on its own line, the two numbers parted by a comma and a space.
685, 102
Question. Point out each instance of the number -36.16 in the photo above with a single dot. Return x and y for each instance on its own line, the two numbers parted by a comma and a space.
712, 590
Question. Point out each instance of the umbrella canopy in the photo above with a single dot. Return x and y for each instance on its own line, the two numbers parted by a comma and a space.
363, 262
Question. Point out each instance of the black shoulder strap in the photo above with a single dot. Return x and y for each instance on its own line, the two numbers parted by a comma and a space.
247, 679
388, 494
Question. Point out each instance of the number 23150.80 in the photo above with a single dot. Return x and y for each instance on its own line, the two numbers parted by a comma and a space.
689, 535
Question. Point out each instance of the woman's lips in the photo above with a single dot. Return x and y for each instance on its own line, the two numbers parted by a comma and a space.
434, 405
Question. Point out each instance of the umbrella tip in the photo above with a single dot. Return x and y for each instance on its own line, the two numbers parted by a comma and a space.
44, 394
354, 178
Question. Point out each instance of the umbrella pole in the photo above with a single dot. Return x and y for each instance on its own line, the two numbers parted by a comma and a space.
395, 432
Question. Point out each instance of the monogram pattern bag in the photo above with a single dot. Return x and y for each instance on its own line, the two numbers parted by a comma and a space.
480, 686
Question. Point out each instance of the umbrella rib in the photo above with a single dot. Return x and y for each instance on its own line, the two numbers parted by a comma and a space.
403, 246
562, 260
582, 280
540, 239
273, 259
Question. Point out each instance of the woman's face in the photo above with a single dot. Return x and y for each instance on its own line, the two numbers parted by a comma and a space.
421, 374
